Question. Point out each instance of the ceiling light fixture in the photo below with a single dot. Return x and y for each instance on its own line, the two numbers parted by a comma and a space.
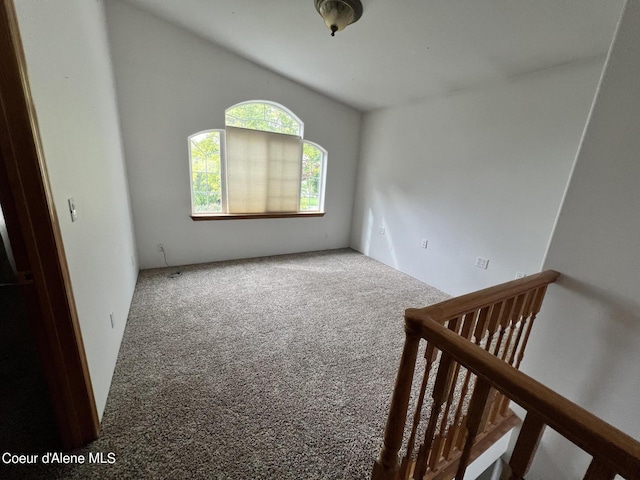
338, 14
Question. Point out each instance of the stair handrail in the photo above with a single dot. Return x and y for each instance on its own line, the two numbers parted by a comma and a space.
529, 292
613, 452
611, 448
462, 304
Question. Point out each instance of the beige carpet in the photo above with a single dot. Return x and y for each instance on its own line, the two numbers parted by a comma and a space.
271, 368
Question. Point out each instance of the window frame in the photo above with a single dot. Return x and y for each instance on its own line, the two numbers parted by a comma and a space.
223, 171
322, 179
224, 215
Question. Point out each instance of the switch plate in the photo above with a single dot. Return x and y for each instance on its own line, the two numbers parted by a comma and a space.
72, 209
482, 262
424, 243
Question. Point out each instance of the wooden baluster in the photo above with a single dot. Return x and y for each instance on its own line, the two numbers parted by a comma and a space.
481, 325
518, 316
599, 471
487, 323
468, 332
441, 389
537, 304
494, 320
509, 323
430, 355
462, 434
505, 317
468, 327
526, 446
494, 397
386, 465
526, 312
456, 325
456, 428
503, 408
444, 441
503, 322
495, 314
477, 412
436, 452
514, 318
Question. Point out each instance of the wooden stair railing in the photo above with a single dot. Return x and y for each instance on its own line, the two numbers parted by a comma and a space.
495, 320
613, 452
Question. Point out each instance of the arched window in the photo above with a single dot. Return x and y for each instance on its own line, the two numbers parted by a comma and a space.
259, 165
265, 116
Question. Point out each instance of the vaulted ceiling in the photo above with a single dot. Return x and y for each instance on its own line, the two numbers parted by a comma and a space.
401, 50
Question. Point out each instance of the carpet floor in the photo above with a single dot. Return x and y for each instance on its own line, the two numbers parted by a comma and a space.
270, 368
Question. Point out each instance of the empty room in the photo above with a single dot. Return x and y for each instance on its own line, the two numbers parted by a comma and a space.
312, 239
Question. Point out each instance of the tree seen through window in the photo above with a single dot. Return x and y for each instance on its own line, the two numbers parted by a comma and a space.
206, 175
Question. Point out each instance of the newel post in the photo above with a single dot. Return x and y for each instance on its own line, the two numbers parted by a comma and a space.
386, 465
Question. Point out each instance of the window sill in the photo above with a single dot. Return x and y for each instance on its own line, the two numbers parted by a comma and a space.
246, 216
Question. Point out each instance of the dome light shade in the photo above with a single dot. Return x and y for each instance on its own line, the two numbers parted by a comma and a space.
337, 14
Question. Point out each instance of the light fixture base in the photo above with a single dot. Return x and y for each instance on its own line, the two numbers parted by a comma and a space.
337, 14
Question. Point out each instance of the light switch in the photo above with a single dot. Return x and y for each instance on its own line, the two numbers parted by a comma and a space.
72, 209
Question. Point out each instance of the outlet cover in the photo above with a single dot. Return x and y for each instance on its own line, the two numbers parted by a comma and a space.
382, 230
72, 209
482, 262
424, 243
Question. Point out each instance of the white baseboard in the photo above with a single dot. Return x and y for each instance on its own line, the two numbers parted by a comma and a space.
489, 458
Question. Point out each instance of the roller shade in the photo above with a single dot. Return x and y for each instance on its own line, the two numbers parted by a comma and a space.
263, 171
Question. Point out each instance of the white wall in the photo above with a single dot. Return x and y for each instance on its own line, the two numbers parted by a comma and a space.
586, 343
72, 84
478, 173
172, 84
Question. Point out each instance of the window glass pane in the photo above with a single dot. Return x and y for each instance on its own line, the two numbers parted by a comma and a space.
205, 172
213, 189
310, 187
262, 116
213, 164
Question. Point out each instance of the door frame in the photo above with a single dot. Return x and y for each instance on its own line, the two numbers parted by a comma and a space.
32, 223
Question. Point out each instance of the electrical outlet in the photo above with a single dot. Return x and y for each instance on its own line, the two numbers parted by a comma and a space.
424, 243
382, 230
160, 247
520, 275
482, 262
113, 323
